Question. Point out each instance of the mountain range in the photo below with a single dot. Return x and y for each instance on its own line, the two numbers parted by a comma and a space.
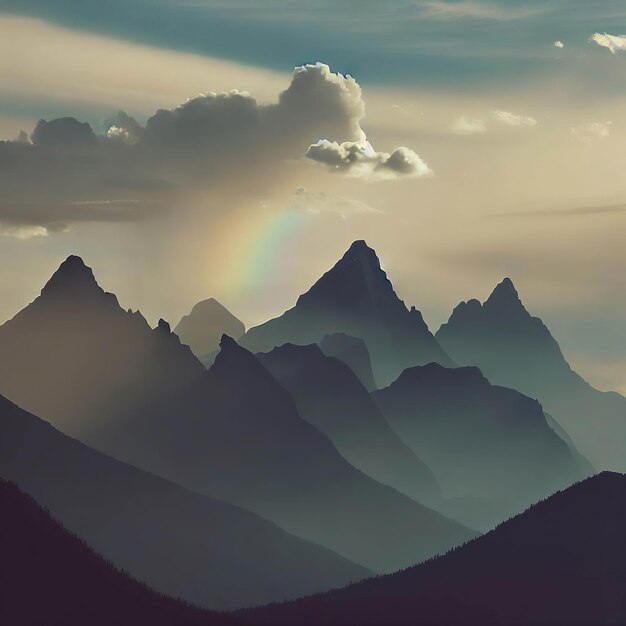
186, 545
559, 562
355, 297
329, 395
353, 352
490, 447
236, 435
515, 349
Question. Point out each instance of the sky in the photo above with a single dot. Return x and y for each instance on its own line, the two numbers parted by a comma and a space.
234, 149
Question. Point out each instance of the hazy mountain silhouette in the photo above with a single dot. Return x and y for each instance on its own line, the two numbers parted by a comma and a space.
236, 435
355, 297
75, 357
190, 546
560, 562
328, 394
514, 349
49, 576
202, 329
353, 352
481, 441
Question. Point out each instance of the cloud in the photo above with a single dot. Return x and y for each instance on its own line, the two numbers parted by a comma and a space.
321, 202
360, 160
559, 44
65, 173
513, 119
468, 126
438, 9
615, 43
591, 131
572, 211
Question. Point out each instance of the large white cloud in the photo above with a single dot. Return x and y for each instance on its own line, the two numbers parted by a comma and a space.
615, 43
66, 173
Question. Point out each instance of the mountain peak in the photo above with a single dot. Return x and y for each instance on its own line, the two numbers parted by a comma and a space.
360, 251
504, 298
73, 277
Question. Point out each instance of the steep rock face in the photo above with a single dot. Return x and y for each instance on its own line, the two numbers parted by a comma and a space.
353, 352
480, 440
328, 395
514, 349
560, 562
180, 543
202, 329
49, 576
76, 357
236, 435
355, 297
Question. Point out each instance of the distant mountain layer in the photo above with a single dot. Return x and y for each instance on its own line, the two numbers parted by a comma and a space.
560, 562
355, 297
48, 576
353, 352
202, 329
481, 441
76, 357
514, 349
236, 435
180, 543
330, 396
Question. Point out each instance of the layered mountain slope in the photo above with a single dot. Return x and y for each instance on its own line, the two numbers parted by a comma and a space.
328, 395
514, 349
202, 329
49, 576
353, 352
180, 543
355, 297
75, 357
481, 441
560, 562
236, 435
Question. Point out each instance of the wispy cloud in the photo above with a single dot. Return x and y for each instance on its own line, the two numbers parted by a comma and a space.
513, 119
468, 126
591, 131
441, 10
580, 210
614, 43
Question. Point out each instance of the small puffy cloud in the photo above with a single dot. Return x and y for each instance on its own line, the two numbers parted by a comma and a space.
321, 202
468, 126
614, 43
360, 160
592, 131
513, 119
559, 44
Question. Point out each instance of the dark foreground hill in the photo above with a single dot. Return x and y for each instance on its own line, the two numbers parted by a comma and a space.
49, 576
180, 543
329, 395
487, 445
560, 562
355, 297
515, 349
236, 435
